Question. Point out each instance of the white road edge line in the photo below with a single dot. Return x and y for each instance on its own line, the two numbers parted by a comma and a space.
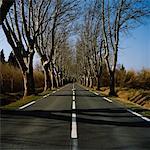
24, 106
139, 115
46, 95
49, 94
110, 101
95, 93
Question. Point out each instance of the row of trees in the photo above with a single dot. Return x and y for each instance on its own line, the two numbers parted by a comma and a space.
42, 26
104, 22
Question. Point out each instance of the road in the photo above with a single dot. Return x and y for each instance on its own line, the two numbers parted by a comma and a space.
74, 118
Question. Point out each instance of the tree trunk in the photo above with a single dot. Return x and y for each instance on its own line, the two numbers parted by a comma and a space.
87, 81
24, 59
52, 81
112, 84
84, 80
91, 82
59, 80
47, 80
29, 87
98, 82
56, 81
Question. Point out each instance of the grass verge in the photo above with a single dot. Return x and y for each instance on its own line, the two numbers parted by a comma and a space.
23, 101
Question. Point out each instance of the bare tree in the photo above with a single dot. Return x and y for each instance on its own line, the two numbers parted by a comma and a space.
118, 17
63, 12
91, 45
4, 8
22, 27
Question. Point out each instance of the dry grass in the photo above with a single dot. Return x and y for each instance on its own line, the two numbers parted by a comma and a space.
11, 83
131, 96
11, 79
140, 97
132, 79
21, 102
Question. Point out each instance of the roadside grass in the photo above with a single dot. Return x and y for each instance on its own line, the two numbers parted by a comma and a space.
8, 98
23, 101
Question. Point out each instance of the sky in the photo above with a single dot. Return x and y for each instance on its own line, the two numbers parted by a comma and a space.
134, 50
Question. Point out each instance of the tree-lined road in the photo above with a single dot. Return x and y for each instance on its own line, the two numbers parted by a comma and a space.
49, 124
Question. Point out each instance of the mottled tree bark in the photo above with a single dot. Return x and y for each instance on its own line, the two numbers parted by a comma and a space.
47, 81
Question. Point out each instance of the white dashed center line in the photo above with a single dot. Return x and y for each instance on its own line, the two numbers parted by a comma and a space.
74, 123
73, 105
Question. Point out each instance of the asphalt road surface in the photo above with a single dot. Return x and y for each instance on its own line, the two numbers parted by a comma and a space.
74, 118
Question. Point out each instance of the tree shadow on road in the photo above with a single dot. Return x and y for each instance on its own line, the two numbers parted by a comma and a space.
107, 116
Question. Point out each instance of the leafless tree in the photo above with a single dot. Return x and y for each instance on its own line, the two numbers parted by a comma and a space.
117, 17
22, 27
63, 12
4, 8
90, 44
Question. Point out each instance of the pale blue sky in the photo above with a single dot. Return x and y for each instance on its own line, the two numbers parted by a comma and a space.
134, 50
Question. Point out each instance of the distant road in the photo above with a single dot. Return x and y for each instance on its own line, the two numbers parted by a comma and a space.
74, 118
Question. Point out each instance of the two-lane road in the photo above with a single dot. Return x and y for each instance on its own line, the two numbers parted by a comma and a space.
74, 118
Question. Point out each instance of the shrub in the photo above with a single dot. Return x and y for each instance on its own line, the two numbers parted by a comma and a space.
132, 79
39, 79
11, 79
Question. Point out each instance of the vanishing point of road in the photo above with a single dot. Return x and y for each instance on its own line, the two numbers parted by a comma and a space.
74, 118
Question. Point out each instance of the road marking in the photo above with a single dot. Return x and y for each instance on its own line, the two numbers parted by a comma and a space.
74, 115
95, 93
54, 92
139, 115
74, 130
73, 97
73, 105
24, 106
110, 101
73, 92
46, 95
74, 123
